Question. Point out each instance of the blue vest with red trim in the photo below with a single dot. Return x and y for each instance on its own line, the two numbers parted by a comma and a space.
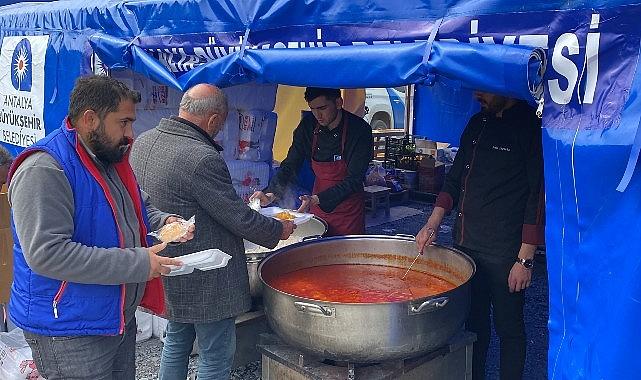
81, 309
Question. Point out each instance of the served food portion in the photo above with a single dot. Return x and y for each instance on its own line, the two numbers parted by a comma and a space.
356, 283
285, 215
174, 231
171, 232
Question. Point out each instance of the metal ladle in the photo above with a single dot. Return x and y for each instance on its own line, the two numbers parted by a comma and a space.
417, 255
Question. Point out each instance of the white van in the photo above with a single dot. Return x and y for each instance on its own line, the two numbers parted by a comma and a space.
385, 108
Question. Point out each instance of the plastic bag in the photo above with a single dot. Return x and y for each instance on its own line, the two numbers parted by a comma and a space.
256, 135
394, 184
16, 360
144, 325
248, 176
173, 231
254, 204
228, 136
376, 176
158, 327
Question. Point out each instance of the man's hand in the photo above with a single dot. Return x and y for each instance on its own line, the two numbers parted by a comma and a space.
520, 278
425, 236
190, 232
288, 229
428, 233
158, 264
265, 198
307, 201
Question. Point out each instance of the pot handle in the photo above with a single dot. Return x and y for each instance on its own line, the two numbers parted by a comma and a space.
429, 305
313, 237
311, 308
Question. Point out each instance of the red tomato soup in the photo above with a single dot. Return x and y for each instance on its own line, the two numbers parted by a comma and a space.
353, 283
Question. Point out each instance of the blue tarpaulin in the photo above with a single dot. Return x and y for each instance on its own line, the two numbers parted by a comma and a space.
447, 48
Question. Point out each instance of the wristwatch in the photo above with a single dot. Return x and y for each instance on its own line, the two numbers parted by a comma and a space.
527, 263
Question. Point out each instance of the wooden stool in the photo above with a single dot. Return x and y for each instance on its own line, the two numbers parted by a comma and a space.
377, 195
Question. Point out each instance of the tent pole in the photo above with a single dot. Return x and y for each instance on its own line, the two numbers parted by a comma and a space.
409, 109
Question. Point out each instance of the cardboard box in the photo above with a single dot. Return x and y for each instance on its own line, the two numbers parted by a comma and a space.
430, 180
6, 249
427, 163
434, 171
430, 187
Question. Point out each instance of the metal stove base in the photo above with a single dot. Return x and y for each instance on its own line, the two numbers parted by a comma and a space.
452, 361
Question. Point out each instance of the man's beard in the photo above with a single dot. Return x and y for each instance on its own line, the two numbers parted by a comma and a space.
486, 111
493, 107
103, 148
328, 123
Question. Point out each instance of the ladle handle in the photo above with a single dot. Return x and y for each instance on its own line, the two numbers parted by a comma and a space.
311, 308
429, 305
313, 237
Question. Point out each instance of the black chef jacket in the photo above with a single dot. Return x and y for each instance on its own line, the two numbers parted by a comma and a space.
496, 183
358, 153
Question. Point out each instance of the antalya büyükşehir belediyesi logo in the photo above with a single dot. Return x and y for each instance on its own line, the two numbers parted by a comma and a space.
21, 66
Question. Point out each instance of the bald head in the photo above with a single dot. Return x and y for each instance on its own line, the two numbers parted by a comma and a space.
204, 90
206, 106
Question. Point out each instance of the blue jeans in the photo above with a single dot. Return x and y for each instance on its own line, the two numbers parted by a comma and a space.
85, 357
216, 345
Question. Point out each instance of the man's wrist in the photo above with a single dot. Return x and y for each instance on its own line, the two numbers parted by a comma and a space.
527, 251
526, 263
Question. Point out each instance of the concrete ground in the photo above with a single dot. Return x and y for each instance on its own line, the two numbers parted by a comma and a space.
536, 310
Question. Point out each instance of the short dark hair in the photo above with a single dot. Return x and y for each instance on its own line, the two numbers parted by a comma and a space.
99, 93
312, 93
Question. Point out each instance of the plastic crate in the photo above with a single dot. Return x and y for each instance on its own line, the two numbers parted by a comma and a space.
400, 153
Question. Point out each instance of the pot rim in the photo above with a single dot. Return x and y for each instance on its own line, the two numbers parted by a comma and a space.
368, 237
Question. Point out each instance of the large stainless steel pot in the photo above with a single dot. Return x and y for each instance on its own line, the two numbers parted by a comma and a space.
374, 332
255, 253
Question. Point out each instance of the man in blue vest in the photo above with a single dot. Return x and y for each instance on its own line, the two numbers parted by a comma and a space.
80, 224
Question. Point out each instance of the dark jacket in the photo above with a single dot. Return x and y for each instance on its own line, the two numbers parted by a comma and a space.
358, 154
496, 182
183, 173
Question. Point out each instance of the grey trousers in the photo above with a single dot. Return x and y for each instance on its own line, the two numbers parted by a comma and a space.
85, 357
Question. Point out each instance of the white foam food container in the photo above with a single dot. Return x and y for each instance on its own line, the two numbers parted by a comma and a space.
204, 260
299, 217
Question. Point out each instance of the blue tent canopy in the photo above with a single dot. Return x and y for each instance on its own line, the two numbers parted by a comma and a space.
591, 115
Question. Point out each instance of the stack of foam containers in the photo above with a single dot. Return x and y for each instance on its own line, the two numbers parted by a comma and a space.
156, 100
256, 135
250, 107
248, 136
228, 136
